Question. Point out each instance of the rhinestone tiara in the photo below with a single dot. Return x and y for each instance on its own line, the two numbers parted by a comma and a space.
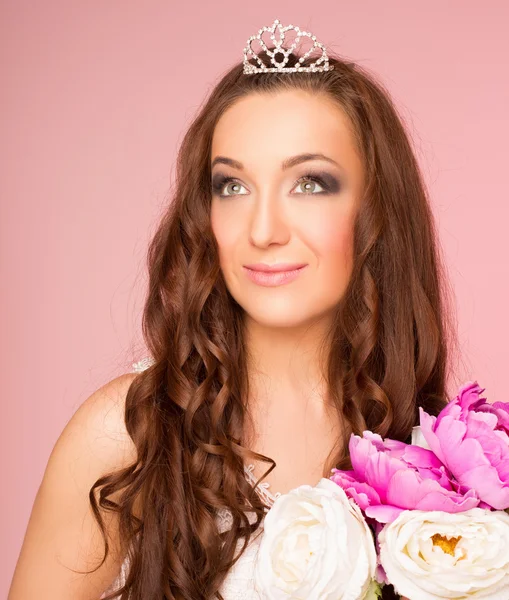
279, 66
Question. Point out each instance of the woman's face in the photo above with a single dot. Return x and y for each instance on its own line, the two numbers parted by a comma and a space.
277, 208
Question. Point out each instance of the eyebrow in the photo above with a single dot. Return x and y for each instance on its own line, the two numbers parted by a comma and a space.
288, 163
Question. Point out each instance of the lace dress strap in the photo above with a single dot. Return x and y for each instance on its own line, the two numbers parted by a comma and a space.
263, 486
141, 365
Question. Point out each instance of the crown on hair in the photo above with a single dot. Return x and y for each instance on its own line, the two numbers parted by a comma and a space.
279, 66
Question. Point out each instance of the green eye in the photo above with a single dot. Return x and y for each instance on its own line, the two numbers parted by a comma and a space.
310, 184
220, 182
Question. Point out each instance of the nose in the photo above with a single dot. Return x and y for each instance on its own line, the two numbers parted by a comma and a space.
269, 223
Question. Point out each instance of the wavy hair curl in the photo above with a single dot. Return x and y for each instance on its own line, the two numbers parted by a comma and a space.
388, 351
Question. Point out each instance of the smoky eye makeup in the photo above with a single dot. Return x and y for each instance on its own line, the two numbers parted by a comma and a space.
329, 183
219, 180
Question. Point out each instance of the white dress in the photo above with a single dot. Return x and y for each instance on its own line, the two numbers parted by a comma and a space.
239, 582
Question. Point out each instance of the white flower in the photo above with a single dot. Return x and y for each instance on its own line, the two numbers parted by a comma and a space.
418, 439
434, 555
315, 545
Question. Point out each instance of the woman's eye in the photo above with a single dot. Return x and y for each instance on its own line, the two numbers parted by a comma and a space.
234, 187
309, 185
225, 183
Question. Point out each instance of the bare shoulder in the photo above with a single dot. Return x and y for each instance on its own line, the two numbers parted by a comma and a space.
62, 534
99, 424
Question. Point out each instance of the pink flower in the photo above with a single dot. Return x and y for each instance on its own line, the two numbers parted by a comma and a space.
389, 477
471, 437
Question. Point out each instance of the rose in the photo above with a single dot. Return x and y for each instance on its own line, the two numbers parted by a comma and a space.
316, 545
471, 437
435, 555
390, 476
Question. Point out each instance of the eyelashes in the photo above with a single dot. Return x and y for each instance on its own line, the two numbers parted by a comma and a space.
327, 182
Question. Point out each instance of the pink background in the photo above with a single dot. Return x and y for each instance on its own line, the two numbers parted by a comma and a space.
95, 99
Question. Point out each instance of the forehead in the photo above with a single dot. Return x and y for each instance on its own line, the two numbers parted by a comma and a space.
260, 129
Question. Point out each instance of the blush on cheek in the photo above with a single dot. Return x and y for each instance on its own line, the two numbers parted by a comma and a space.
336, 239
225, 236
336, 254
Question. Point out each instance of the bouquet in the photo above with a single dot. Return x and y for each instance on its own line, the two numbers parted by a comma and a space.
431, 517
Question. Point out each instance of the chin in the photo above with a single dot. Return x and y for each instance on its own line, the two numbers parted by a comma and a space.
281, 317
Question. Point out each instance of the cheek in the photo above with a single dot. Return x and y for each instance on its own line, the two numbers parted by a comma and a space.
332, 241
225, 231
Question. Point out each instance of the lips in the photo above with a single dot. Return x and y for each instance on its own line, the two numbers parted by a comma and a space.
272, 275
275, 268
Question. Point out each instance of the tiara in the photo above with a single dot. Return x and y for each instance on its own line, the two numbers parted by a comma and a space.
279, 66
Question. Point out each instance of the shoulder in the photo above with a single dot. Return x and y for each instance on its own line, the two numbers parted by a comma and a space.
103, 411
62, 532
99, 424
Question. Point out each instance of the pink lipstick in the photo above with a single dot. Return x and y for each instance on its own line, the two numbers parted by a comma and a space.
273, 275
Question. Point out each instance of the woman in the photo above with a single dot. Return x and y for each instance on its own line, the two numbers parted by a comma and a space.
307, 172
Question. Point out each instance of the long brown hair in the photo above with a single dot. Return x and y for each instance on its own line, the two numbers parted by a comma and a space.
389, 348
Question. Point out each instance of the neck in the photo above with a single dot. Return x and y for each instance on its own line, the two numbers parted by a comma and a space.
287, 364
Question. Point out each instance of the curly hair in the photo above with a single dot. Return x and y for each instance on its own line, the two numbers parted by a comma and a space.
389, 349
